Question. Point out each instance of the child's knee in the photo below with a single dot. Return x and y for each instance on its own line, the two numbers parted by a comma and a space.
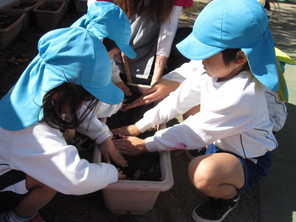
32, 183
198, 174
195, 173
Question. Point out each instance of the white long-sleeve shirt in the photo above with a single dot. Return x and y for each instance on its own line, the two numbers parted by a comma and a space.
276, 107
42, 152
233, 116
167, 32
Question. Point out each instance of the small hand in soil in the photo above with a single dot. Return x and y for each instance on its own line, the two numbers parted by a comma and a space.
142, 167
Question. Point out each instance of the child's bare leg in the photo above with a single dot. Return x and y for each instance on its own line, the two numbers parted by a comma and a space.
217, 175
38, 196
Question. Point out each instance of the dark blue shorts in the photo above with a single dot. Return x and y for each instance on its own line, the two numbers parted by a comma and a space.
253, 172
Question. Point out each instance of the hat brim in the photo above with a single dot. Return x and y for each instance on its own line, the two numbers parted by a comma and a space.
193, 49
127, 50
262, 62
264, 69
110, 94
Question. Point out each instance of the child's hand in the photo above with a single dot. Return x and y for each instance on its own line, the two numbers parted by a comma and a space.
109, 152
120, 174
159, 90
130, 145
134, 104
131, 130
124, 88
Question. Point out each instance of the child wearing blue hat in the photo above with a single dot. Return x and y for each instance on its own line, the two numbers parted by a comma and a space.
238, 56
110, 24
72, 69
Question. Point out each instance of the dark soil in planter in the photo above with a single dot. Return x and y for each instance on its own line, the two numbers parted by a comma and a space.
142, 167
24, 5
145, 166
50, 6
124, 118
6, 20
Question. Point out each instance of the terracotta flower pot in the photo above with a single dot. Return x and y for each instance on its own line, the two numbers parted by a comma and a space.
48, 14
11, 24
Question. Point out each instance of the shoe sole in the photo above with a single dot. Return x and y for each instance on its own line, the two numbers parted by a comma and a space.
196, 218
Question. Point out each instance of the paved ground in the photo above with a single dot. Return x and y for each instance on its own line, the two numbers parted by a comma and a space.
278, 191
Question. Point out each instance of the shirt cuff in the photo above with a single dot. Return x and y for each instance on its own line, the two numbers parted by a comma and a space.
150, 145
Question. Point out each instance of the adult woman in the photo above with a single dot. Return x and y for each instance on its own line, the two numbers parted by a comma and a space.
154, 25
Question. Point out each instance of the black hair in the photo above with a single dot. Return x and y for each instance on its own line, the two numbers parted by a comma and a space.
71, 95
230, 55
109, 44
155, 10
268, 3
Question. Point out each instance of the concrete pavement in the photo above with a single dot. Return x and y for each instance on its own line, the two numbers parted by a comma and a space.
277, 192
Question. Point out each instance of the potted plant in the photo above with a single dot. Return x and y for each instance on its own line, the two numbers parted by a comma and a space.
11, 24
48, 14
137, 196
23, 6
137, 193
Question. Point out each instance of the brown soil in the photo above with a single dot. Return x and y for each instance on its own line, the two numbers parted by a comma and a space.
142, 167
146, 166
15, 58
50, 6
6, 20
24, 5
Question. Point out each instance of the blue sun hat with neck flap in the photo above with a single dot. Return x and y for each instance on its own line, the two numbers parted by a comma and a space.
65, 55
226, 24
107, 20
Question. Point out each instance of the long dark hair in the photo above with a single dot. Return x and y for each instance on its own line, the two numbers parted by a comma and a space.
156, 10
71, 95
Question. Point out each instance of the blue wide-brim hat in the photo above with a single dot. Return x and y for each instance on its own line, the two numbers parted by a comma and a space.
226, 24
107, 20
65, 55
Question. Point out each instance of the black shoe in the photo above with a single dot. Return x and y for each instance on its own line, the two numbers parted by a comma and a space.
214, 209
195, 153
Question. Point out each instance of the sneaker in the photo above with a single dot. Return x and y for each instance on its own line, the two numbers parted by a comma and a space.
37, 218
214, 210
195, 153
5, 218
